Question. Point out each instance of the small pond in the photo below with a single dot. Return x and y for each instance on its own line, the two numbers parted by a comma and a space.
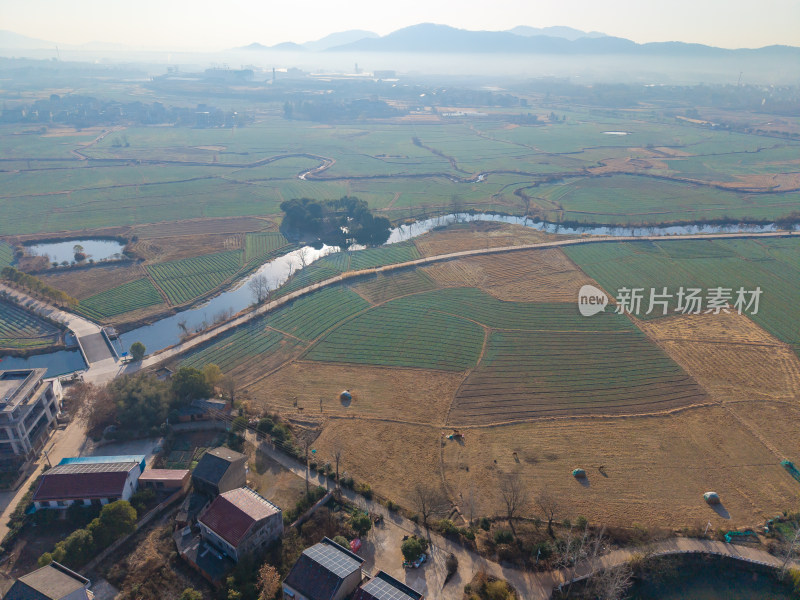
95, 249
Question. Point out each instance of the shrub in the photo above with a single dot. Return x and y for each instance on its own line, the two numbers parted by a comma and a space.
361, 523
581, 522
341, 540
485, 523
503, 536
451, 564
498, 590
413, 548
447, 526
364, 489
265, 425
347, 482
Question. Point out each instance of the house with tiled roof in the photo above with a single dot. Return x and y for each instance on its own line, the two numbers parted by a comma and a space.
219, 470
165, 481
385, 587
52, 582
240, 522
87, 483
325, 571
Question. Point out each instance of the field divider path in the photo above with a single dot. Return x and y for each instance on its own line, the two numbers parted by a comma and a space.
211, 333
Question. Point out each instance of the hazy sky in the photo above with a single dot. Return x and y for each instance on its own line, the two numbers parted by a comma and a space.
206, 25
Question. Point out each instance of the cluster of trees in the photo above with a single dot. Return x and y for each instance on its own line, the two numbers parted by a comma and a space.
87, 111
335, 222
37, 286
141, 403
115, 521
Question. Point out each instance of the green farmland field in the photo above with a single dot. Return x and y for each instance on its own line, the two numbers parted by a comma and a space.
526, 375
399, 336
20, 330
6, 255
247, 349
189, 278
308, 317
121, 299
258, 247
773, 264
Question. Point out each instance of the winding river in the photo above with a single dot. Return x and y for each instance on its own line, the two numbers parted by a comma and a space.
167, 331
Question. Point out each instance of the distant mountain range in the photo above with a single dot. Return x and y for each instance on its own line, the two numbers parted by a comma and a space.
432, 38
443, 39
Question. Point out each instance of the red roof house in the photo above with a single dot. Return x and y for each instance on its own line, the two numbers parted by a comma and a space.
240, 521
86, 483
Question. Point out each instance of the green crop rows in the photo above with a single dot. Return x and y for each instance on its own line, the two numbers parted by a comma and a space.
772, 264
121, 299
19, 329
341, 262
403, 336
386, 286
260, 246
479, 306
241, 348
527, 375
188, 278
310, 316
6, 255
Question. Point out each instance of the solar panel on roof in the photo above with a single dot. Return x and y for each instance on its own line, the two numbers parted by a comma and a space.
385, 591
332, 559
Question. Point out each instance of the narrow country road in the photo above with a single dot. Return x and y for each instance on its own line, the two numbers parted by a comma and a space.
381, 550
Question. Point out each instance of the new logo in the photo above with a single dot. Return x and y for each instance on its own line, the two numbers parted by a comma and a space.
591, 300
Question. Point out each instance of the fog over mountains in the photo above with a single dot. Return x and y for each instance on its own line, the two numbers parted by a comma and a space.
434, 38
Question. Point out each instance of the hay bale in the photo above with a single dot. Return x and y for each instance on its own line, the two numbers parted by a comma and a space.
711, 498
579, 474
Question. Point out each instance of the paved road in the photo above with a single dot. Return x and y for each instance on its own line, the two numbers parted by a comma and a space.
381, 550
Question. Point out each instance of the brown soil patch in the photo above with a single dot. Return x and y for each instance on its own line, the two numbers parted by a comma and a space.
385, 287
202, 226
478, 235
391, 457
729, 355
274, 482
153, 570
776, 422
72, 132
657, 468
545, 275
82, 283
163, 249
404, 394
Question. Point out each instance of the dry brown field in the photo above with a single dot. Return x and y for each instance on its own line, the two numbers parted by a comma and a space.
729, 355
82, 283
545, 275
392, 457
163, 249
656, 468
411, 395
386, 287
478, 235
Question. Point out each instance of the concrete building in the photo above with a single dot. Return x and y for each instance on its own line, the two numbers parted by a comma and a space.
53, 582
29, 405
165, 481
240, 522
87, 483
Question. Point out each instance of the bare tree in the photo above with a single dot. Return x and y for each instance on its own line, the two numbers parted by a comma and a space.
427, 500
613, 583
228, 385
337, 459
549, 505
78, 398
304, 254
470, 502
790, 552
259, 287
515, 496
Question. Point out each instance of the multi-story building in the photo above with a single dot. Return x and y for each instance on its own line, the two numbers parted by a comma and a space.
29, 405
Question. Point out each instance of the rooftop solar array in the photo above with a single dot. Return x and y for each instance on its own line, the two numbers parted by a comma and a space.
384, 587
91, 468
336, 561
